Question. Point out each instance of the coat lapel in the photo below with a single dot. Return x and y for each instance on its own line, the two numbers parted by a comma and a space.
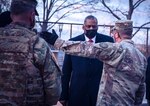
98, 38
82, 37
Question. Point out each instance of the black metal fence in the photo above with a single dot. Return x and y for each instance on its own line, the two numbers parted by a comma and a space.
69, 30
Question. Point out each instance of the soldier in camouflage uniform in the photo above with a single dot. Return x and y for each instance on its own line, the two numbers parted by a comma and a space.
29, 75
122, 82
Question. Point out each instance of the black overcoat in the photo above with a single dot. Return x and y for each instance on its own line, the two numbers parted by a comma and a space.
81, 76
148, 80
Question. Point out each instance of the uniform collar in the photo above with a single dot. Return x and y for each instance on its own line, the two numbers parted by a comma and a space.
21, 24
128, 41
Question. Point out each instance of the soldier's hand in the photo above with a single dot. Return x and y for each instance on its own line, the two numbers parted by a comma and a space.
49, 37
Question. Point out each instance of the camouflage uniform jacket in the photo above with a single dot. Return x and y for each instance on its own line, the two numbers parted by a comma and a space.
122, 82
28, 73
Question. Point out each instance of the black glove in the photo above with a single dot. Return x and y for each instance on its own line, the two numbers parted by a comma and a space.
49, 37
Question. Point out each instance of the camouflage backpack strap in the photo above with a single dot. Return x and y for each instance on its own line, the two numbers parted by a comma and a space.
39, 66
55, 61
34, 40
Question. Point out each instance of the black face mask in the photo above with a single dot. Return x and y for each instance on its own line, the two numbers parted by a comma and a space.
91, 33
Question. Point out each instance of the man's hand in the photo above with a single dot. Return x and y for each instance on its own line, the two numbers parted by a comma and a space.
49, 37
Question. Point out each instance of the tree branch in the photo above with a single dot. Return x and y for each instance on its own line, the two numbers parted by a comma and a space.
141, 27
123, 13
103, 2
131, 9
138, 3
63, 16
61, 8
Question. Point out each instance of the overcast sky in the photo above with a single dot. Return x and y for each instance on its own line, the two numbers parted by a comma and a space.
140, 16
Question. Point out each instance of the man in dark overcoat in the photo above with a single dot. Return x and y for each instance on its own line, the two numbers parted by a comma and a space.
81, 76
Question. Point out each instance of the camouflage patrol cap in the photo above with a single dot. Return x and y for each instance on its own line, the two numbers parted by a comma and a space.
21, 6
123, 26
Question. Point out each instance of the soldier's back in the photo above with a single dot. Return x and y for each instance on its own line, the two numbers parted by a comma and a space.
20, 80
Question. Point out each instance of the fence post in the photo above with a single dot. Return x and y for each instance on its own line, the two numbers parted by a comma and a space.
70, 30
60, 29
147, 51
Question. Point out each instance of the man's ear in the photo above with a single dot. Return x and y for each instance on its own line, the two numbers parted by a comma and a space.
83, 27
32, 19
33, 16
117, 35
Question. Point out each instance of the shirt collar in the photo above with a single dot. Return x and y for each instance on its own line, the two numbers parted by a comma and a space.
87, 39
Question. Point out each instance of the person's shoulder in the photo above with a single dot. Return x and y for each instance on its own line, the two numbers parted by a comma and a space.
21, 29
76, 38
148, 59
41, 45
105, 37
40, 42
2, 29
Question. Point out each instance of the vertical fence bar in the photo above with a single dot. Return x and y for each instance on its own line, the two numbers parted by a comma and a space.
70, 30
147, 37
110, 26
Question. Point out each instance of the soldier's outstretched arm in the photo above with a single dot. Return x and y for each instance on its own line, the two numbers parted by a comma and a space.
49, 72
107, 52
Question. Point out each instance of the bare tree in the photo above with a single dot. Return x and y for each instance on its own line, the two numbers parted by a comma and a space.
124, 12
119, 13
59, 8
4, 5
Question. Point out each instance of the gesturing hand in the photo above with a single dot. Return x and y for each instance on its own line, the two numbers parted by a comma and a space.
49, 37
